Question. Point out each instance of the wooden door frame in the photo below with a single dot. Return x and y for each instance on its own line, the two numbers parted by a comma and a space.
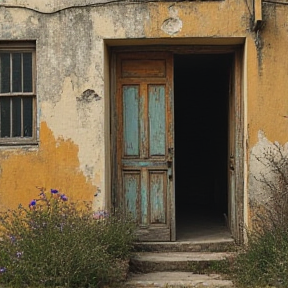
237, 94
238, 99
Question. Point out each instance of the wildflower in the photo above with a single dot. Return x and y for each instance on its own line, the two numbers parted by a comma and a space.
13, 239
101, 214
97, 215
2, 270
19, 254
55, 193
32, 204
63, 197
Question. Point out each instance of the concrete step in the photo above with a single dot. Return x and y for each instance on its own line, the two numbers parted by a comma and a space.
197, 262
177, 280
219, 245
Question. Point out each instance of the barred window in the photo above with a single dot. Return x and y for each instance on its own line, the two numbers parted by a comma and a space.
17, 93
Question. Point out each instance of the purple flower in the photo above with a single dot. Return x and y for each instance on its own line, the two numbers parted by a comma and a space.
32, 204
101, 214
13, 239
54, 191
64, 197
2, 270
19, 254
97, 215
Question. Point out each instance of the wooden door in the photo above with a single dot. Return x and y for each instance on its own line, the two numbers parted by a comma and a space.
144, 142
236, 152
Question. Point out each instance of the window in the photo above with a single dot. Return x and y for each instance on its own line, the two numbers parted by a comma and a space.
17, 93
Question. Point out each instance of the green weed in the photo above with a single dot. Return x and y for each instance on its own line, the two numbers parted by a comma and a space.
264, 261
55, 243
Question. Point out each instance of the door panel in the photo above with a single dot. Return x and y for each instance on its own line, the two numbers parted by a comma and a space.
157, 118
131, 120
158, 197
145, 141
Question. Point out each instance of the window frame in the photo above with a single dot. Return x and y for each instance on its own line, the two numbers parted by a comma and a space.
22, 47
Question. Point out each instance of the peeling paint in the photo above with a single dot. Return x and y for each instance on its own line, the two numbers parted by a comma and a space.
80, 121
266, 158
88, 96
172, 26
54, 164
258, 166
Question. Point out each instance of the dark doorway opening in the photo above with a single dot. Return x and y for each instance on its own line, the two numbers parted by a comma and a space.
201, 106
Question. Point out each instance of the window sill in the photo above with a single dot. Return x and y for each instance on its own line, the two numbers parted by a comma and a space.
22, 145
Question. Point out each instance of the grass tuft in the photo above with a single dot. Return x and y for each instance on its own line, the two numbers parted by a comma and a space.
264, 261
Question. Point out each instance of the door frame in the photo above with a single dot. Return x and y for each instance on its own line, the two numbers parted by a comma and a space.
236, 114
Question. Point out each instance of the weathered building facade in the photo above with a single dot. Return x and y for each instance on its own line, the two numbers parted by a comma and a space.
160, 106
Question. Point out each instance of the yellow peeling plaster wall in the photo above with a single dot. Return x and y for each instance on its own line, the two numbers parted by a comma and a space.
267, 101
73, 94
54, 165
70, 155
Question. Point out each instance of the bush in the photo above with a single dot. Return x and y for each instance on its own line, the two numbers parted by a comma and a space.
264, 262
61, 244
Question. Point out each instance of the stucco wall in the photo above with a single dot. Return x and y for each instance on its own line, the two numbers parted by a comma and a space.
73, 152
267, 108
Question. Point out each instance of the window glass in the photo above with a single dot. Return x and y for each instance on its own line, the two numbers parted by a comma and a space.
5, 72
27, 116
27, 74
16, 72
5, 116
16, 115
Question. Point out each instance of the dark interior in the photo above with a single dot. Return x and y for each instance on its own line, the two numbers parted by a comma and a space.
201, 95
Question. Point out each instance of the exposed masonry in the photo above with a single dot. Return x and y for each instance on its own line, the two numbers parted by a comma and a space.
262, 170
88, 96
172, 26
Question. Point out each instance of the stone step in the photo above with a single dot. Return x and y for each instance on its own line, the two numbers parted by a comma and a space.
197, 262
188, 246
177, 280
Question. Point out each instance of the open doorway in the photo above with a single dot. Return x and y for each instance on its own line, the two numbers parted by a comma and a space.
187, 191
201, 113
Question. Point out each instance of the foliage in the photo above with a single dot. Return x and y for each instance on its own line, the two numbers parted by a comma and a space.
264, 262
56, 243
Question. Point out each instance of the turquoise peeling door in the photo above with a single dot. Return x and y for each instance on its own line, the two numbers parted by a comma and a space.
144, 148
